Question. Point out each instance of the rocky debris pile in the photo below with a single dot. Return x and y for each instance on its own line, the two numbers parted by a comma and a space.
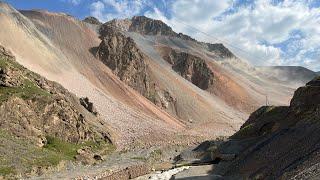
88, 105
275, 142
92, 20
191, 67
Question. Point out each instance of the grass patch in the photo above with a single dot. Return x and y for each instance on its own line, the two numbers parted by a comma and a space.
68, 151
5, 171
65, 149
27, 91
20, 156
139, 158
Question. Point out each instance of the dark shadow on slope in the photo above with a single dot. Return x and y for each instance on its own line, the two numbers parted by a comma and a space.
94, 51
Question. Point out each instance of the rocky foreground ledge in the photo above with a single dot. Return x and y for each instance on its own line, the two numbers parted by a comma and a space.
274, 143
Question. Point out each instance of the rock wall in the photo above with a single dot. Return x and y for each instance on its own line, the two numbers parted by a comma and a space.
191, 67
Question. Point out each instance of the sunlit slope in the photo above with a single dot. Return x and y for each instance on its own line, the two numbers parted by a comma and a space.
62, 53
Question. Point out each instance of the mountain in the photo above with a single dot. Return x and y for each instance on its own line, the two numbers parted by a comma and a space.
289, 74
276, 142
127, 73
37, 115
152, 87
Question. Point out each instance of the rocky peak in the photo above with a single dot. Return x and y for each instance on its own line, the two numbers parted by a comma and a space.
147, 26
92, 20
120, 24
220, 50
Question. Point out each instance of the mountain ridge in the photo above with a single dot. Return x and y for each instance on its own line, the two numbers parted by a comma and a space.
155, 88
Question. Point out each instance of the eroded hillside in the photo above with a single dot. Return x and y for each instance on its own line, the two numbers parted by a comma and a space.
42, 120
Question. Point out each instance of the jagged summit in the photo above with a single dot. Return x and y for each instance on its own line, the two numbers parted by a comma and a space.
146, 26
92, 20
152, 27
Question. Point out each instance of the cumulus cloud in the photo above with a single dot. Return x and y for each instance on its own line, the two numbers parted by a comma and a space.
256, 32
106, 10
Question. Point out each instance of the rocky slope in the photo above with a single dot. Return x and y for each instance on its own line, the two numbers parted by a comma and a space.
40, 113
275, 142
145, 100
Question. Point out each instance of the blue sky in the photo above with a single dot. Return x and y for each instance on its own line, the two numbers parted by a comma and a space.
264, 32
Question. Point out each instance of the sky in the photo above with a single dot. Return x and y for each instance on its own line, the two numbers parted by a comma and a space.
263, 32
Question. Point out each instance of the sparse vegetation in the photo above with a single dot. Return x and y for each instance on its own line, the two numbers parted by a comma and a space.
27, 90
139, 158
155, 155
4, 171
27, 155
245, 131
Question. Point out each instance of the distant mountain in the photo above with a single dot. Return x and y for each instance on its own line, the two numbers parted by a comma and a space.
289, 74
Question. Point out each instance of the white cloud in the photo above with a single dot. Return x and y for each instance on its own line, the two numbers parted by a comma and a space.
97, 9
106, 10
256, 29
74, 2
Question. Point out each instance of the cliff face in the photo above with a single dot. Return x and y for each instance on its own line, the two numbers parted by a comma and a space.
277, 142
38, 111
191, 67
122, 56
